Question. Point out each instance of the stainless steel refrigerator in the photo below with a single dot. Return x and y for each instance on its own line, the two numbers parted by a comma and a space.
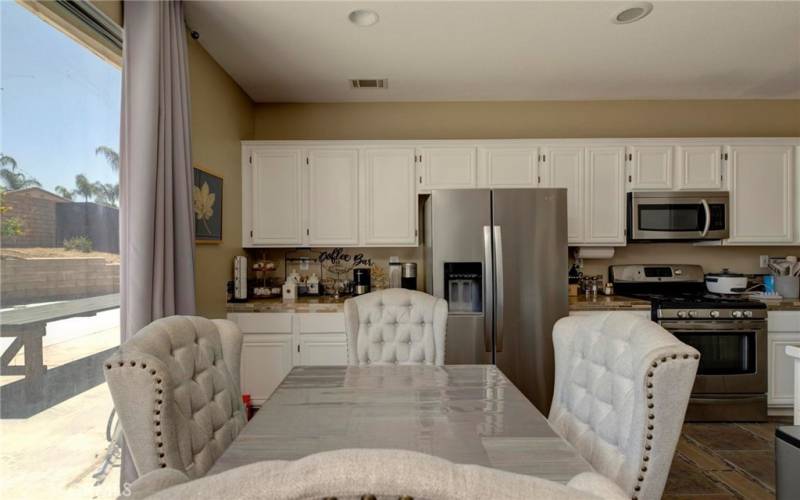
499, 257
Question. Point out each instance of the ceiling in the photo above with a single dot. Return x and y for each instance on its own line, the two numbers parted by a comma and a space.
503, 51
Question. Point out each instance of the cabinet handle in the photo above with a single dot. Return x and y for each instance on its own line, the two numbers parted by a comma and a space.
630, 178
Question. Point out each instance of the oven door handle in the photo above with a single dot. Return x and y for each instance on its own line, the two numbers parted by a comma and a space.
708, 217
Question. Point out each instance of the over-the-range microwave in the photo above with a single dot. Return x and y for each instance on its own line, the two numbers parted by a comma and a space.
677, 216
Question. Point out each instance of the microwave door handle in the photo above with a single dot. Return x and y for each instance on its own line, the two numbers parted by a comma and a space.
708, 217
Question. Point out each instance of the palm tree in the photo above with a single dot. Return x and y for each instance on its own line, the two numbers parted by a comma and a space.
64, 192
112, 157
106, 194
14, 178
83, 187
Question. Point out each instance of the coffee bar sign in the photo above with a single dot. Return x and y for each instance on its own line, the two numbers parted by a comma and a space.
338, 258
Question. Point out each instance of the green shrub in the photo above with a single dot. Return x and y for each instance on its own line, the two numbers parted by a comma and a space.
79, 244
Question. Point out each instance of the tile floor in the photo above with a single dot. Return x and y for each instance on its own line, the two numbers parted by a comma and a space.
717, 461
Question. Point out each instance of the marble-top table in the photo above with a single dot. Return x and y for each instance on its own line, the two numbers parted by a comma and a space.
470, 414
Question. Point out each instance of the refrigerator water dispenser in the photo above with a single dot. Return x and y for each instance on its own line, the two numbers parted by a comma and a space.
463, 284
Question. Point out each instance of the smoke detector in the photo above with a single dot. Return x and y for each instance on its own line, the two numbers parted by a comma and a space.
632, 13
369, 83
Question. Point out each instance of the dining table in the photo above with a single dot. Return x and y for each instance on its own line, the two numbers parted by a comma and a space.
468, 414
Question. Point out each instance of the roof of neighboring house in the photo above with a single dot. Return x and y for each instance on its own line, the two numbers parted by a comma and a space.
37, 192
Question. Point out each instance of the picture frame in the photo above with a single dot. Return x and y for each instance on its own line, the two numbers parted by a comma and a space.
207, 192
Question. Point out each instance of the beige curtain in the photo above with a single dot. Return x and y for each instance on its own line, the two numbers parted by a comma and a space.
156, 223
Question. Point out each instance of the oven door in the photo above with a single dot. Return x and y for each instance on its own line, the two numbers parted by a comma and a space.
733, 354
677, 216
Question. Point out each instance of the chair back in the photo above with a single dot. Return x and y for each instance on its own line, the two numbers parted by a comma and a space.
622, 386
395, 326
175, 386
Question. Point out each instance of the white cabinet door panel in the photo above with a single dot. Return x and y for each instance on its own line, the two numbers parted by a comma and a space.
448, 168
320, 322
333, 197
276, 197
781, 368
564, 167
762, 194
266, 360
700, 167
605, 195
328, 349
390, 197
511, 168
651, 167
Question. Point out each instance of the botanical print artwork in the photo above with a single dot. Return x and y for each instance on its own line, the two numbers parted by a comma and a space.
207, 205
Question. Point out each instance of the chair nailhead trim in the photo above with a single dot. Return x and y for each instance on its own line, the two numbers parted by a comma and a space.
156, 408
648, 445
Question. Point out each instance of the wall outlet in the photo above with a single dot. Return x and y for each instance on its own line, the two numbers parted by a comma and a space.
763, 261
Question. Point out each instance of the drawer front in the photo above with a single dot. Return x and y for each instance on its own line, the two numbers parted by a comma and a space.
783, 321
320, 322
263, 322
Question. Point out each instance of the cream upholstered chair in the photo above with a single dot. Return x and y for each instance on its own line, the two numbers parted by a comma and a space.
175, 386
395, 326
371, 474
621, 390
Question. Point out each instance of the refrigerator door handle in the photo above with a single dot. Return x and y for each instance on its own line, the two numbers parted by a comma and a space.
488, 283
498, 253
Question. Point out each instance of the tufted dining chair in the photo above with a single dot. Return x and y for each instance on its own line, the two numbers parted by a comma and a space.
621, 389
395, 326
175, 387
359, 474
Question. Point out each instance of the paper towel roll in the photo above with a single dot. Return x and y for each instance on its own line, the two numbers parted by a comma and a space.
594, 252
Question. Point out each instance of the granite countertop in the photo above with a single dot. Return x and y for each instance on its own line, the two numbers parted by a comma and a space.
783, 305
299, 305
607, 303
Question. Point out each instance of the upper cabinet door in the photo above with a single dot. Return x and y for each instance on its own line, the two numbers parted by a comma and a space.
447, 168
333, 197
564, 168
762, 187
605, 195
390, 197
273, 203
700, 167
510, 167
651, 167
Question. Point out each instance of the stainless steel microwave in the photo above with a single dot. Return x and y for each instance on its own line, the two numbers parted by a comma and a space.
678, 216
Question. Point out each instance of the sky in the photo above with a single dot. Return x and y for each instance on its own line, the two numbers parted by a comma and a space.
59, 101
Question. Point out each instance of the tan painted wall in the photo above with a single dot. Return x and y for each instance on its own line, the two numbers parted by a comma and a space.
541, 119
222, 116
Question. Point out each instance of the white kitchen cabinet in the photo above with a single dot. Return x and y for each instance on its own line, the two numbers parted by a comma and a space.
564, 168
272, 181
332, 197
761, 194
390, 197
784, 330
651, 167
323, 349
508, 167
605, 195
700, 168
266, 360
447, 167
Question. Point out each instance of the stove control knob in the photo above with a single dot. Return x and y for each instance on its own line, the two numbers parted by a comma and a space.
748, 314
737, 314
681, 314
692, 314
714, 314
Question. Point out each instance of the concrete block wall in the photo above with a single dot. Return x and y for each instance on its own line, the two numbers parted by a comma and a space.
38, 217
27, 281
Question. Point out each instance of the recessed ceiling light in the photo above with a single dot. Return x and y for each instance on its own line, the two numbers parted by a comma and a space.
632, 13
363, 17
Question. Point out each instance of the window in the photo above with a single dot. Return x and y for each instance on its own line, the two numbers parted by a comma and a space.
59, 294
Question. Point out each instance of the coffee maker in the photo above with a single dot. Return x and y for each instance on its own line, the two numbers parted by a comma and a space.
361, 281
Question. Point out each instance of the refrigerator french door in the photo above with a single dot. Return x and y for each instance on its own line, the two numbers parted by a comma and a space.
499, 257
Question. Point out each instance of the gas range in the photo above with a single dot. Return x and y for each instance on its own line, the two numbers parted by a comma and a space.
730, 331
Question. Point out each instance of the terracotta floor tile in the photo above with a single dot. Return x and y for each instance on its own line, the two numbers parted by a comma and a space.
719, 437
746, 487
699, 456
759, 464
686, 479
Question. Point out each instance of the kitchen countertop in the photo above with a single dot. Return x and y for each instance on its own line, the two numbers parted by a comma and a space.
783, 305
607, 303
299, 305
